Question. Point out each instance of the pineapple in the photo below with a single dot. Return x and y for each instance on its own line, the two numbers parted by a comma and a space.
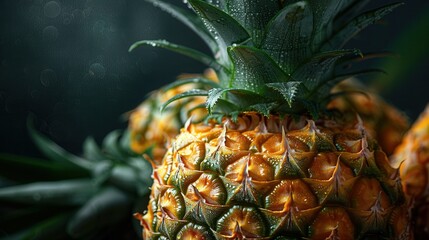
383, 121
413, 157
149, 129
273, 160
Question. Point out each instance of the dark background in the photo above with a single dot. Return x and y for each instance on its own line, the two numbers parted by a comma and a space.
67, 63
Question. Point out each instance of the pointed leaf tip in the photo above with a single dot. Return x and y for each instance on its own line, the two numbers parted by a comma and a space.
288, 90
223, 27
189, 52
190, 20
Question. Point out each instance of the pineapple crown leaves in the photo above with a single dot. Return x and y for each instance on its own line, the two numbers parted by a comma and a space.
271, 56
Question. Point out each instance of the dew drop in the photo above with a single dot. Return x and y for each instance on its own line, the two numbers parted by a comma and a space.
50, 34
48, 77
97, 70
52, 9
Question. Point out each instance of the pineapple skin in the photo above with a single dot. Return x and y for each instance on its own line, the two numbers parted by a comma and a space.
152, 130
267, 178
383, 121
413, 158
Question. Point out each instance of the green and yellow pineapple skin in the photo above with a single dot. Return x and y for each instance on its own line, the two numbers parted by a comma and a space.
151, 130
266, 178
384, 122
413, 157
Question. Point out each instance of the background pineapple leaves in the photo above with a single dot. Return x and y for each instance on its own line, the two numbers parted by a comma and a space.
63, 193
53, 151
34, 169
74, 201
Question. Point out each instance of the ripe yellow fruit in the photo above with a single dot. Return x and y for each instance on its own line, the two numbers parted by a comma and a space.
413, 158
265, 177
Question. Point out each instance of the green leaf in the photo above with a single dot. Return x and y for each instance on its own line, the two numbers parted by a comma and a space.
125, 143
325, 86
224, 28
190, 93
26, 169
102, 172
289, 35
348, 60
15, 218
288, 90
253, 68
190, 20
91, 151
54, 152
143, 171
112, 147
60, 193
217, 3
346, 4
104, 210
198, 80
264, 108
46, 229
319, 68
236, 99
326, 15
254, 15
189, 52
131, 179
223, 108
340, 38
313, 108
213, 96
349, 11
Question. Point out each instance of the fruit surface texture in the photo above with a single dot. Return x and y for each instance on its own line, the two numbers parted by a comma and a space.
266, 177
413, 158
